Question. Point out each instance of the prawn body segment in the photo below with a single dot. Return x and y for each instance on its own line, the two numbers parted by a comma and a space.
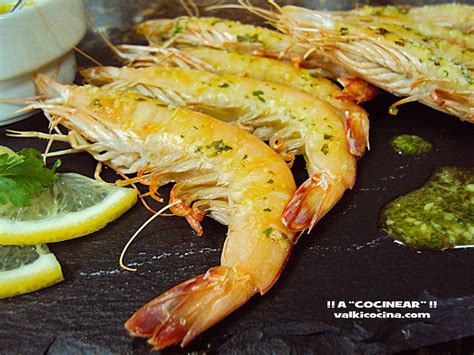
291, 120
245, 39
219, 170
271, 70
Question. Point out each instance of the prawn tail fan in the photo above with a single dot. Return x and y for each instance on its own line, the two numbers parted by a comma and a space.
356, 125
187, 310
313, 199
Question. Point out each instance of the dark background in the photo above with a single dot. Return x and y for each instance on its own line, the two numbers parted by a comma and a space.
346, 257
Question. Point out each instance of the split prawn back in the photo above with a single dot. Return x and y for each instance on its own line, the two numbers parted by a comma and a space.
218, 33
220, 61
292, 121
423, 65
219, 170
245, 39
455, 16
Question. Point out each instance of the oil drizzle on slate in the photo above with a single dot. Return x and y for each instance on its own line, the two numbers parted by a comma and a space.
439, 215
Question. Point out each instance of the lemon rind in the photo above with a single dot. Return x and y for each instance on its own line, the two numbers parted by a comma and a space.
43, 272
57, 228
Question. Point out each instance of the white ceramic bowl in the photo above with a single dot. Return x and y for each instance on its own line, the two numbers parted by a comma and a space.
37, 38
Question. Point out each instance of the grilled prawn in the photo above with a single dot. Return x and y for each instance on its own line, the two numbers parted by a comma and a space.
448, 21
453, 16
245, 39
218, 169
391, 55
266, 69
292, 121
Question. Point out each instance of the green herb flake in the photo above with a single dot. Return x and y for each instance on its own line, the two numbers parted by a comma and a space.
24, 176
381, 31
259, 95
267, 210
96, 103
178, 28
245, 157
214, 149
343, 31
220, 146
402, 10
325, 149
270, 181
436, 61
224, 85
268, 232
328, 137
248, 38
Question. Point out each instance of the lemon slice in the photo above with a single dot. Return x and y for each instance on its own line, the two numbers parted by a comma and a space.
26, 269
6, 150
74, 206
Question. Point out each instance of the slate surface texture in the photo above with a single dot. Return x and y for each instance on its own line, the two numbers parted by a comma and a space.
347, 257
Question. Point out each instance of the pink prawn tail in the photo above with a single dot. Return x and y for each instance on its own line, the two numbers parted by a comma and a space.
190, 308
356, 126
357, 90
311, 201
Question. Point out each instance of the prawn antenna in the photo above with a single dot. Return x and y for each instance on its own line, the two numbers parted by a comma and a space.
247, 5
51, 25
22, 99
106, 40
134, 236
190, 7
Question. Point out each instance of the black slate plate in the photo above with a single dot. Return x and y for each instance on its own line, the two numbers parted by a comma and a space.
346, 257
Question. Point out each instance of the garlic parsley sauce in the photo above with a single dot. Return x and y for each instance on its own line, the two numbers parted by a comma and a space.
439, 215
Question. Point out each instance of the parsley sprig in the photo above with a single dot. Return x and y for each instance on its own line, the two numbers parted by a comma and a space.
24, 176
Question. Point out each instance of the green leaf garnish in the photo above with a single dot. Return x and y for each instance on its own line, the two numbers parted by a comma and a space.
24, 176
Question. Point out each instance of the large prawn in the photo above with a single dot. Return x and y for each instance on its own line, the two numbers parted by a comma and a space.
292, 121
261, 68
426, 20
245, 39
218, 169
433, 67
